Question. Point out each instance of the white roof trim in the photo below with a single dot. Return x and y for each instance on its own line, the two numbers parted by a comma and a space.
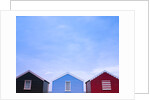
102, 73
31, 73
69, 74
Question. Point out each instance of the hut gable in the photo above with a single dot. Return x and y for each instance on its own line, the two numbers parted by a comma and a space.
103, 83
67, 83
29, 82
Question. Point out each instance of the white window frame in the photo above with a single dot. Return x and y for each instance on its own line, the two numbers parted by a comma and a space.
110, 85
25, 85
65, 85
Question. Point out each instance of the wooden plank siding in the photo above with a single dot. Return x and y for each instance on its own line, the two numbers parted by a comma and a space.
104, 83
37, 85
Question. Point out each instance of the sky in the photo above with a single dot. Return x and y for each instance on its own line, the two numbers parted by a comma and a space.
81, 45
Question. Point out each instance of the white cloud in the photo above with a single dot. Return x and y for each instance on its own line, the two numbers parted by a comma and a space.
113, 69
83, 75
48, 73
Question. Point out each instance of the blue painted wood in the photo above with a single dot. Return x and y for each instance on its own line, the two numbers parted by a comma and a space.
58, 85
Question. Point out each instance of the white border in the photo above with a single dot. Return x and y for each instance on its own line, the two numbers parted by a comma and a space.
5, 4
141, 26
126, 55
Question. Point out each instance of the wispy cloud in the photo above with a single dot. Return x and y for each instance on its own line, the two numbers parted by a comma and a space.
112, 69
81, 45
48, 73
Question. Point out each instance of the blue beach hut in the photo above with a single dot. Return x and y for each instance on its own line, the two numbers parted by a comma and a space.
67, 83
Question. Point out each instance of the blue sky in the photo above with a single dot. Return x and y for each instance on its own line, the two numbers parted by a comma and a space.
81, 45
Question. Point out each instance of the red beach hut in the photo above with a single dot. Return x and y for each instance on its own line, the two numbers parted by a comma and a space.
103, 83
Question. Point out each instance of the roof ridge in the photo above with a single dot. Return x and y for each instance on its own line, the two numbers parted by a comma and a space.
102, 73
33, 74
69, 74
112, 74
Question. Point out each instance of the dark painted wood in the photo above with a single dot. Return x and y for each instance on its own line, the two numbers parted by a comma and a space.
36, 86
45, 87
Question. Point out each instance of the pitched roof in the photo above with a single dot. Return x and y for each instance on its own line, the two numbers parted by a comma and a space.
28, 71
102, 73
70, 75
87, 81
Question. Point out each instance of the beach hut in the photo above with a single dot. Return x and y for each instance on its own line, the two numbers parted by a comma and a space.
29, 82
103, 83
67, 83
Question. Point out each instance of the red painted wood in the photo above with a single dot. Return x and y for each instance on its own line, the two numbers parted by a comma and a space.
96, 84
